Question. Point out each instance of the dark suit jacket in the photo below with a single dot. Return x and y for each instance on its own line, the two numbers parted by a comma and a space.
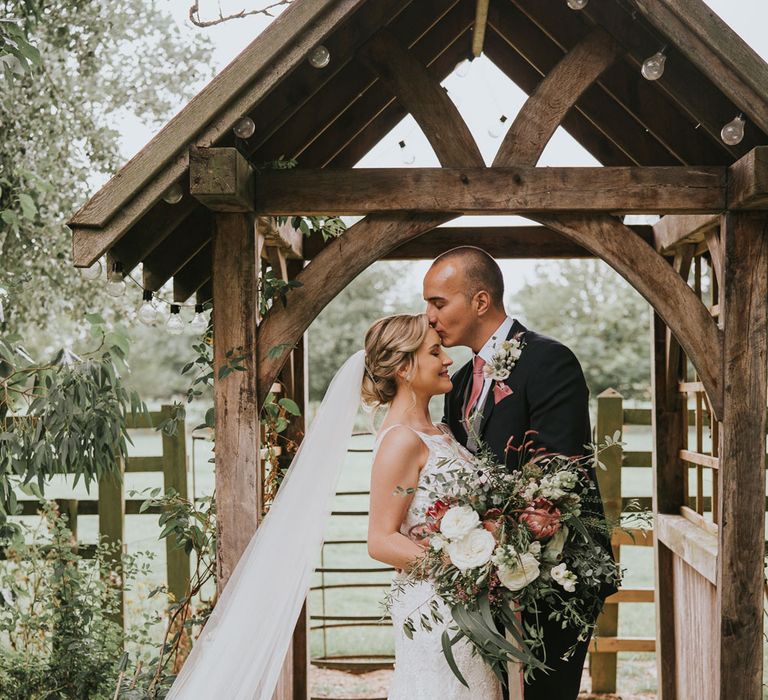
549, 395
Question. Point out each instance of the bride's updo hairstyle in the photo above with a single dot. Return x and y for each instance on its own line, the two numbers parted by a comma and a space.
389, 343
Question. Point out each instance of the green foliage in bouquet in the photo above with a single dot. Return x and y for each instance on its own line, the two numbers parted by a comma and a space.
506, 545
58, 634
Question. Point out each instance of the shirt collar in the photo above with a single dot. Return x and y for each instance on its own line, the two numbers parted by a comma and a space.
501, 333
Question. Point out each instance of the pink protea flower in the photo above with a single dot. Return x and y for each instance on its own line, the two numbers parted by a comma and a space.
542, 518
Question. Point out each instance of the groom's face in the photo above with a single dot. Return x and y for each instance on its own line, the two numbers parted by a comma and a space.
449, 311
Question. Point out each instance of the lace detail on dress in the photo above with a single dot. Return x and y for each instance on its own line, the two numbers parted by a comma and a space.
421, 671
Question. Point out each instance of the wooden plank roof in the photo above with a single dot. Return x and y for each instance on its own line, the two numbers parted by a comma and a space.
332, 117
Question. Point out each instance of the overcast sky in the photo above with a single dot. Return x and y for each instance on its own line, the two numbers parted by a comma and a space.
481, 97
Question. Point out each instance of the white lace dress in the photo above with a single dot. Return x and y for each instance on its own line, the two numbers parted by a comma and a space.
421, 671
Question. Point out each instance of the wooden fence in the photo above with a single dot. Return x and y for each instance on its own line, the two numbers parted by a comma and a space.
112, 506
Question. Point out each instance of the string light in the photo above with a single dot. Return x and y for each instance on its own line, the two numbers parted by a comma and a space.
319, 57
199, 323
577, 4
173, 194
116, 283
733, 132
497, 128
653, 66
147, 312
91, 273
175, 325
244, 128
406, 155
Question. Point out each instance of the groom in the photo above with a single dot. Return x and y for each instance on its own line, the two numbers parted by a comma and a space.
545, 392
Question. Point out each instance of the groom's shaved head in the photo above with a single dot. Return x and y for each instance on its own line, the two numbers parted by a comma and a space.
481, 272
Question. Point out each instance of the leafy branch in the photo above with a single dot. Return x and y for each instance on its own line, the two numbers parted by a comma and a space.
194, 13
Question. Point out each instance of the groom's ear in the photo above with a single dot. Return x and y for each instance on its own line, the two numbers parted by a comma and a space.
482, 302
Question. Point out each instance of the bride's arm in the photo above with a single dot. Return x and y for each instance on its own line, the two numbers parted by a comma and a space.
398, 462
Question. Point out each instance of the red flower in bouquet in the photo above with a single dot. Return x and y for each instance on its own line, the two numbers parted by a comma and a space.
542, 518
492, 520
436, 512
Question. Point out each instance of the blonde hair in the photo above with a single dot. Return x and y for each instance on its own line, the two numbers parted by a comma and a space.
389, 343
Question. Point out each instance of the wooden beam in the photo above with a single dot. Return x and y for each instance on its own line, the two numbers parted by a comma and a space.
643, 101
221, 179
683, 83
748, 181
524, 37
544, 110
741, 495
498, 190
283, 236
277, 51
676, 229
682, 267
418, 92
478, 31
718, 51
694, 545
177, 249
502, 242
523, 74
205, 293
238, 474
193, 275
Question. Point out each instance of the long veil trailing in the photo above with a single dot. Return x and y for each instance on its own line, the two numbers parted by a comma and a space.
241, 649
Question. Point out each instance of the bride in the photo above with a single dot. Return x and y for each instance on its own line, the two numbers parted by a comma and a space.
405, 367
241, 650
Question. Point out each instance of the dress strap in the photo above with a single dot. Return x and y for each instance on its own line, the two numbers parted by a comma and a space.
424, 436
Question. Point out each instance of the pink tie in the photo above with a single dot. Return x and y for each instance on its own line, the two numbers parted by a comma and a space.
477, 384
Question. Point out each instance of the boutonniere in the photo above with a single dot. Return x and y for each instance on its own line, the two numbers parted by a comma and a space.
505, 358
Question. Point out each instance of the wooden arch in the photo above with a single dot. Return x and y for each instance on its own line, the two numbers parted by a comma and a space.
607, 237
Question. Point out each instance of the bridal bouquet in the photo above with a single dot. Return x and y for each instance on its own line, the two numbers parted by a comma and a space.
503, 543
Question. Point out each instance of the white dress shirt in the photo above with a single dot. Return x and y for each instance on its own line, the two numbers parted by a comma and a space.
487, 352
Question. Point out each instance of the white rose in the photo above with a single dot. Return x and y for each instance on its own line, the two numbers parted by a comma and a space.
524, 570
554, 548
567, 579
473, 550
437, 543
459, 520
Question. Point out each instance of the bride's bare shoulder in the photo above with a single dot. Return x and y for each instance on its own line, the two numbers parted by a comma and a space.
399, 442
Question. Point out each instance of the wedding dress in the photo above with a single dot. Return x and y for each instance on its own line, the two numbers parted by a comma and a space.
421, 670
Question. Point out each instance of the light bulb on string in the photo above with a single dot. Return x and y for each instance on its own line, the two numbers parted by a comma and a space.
162, 311
175, 323
147, 312
244, 128
577, 4
462, 68
319, 57
199, 323
406, 155
91, 273
116, 283
653, 66
733, 132
173, 194
497, 128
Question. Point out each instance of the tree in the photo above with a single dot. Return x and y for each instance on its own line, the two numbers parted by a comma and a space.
60, 133
587, 306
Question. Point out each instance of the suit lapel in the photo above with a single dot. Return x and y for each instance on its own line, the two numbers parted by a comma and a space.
490, 404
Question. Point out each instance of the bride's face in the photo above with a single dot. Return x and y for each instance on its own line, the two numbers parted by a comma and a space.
430, 372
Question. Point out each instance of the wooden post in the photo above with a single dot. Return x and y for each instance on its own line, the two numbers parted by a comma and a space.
238, 478
175, 476
742, 456
610, 418
668, 496
112, 523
